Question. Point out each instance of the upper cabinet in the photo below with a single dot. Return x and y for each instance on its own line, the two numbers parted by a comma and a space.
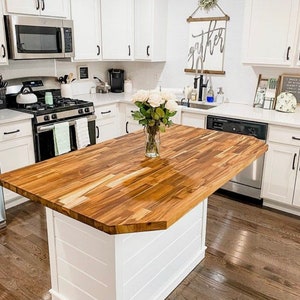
150, 29
53, 8
117, 29
87, 32
271, 31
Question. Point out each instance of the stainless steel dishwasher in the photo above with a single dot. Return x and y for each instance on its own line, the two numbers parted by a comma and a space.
247, 182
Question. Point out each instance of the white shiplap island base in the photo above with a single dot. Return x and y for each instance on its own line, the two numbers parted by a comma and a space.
87, 263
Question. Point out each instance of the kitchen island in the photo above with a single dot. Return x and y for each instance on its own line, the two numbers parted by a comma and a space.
123, 226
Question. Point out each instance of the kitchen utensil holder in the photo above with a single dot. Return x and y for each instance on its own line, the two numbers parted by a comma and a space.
66, 90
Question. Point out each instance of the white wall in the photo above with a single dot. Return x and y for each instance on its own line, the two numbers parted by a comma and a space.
239, 82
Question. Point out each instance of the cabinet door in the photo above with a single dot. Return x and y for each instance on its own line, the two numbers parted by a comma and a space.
87, 34
296, 200
150, 29
54, 8
108, 122
280, 169
30, 7
117, 29
270, 30
3, 46
14, 154
193, 119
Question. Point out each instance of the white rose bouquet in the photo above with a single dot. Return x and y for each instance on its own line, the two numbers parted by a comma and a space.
155, 109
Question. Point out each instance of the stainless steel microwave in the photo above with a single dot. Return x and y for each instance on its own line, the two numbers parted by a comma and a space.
38, 37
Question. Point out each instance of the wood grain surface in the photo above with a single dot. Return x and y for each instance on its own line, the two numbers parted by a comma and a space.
112, 186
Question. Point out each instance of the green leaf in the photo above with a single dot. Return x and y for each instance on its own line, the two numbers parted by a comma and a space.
160, 112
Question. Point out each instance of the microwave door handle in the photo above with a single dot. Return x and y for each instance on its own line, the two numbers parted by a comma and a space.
59, 40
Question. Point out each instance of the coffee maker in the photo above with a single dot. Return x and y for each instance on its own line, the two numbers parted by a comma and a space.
116, 80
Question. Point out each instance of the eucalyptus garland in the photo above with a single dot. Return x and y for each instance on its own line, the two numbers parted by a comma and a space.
208, 4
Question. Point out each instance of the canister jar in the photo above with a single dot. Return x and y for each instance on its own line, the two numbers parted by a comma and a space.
128, 86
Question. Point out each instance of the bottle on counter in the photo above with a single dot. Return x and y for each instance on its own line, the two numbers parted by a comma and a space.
210, 95
194, 95
220, 95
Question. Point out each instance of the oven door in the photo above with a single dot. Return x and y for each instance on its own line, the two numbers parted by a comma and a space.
44, 141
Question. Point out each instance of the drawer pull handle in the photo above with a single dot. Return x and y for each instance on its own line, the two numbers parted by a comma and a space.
294, 160
126, 129
295, 138
105, 112
288, 53
12, 132
98, 132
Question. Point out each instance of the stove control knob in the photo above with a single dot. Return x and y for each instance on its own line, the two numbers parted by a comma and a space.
87, 109
80, 111
54, 116
46, 118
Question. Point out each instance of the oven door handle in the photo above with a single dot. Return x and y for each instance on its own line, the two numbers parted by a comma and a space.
44, 128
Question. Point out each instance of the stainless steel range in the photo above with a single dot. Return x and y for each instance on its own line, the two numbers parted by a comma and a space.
45, 116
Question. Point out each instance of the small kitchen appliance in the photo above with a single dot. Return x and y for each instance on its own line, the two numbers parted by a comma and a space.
116, 80
39, 37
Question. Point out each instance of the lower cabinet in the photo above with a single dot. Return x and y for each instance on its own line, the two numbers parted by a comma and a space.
130, 125
107, 123
281, 186
193, 119
16, 151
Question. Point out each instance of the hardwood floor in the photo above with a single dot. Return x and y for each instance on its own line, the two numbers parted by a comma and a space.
252, 253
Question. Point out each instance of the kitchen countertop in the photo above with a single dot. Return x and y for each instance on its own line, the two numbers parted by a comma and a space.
231, 110
9, 115
123, 191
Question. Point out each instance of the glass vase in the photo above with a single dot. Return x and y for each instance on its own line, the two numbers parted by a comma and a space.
152, 141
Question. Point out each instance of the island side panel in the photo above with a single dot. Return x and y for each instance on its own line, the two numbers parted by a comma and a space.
89, 264
154, 263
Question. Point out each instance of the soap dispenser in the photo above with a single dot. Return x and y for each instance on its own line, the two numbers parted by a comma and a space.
210, 95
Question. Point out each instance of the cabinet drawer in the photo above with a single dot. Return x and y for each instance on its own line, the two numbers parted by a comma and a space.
107, 111
284, 135
15, 130
130, 109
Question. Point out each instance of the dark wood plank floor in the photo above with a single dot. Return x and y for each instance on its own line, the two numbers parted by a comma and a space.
252, 253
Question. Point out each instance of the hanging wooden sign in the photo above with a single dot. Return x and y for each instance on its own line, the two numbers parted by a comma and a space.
207, 38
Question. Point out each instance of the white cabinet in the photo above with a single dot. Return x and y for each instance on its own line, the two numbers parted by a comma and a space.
107, 123
117, 29
271, 31
130, 125
150, 29
53, 8
87, 31
193, 119
16, 151
281, 174
3, 45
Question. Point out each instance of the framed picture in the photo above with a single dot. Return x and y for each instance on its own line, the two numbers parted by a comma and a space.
83, 72
290, 83
266, 92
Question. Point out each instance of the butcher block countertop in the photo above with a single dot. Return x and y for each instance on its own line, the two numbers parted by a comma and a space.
113, 187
